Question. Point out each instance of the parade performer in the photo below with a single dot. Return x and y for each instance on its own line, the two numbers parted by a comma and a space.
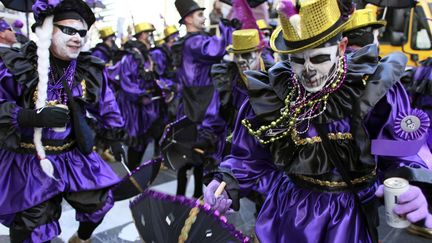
363, 28
17, 26
107, 49
194, 54
229, 78
7, 36
162, 57
230, 82
46, 155
266, 31
315, 134
136, 82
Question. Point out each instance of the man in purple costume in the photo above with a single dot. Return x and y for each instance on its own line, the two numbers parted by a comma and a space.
194, 54
138, 94
162, 57
107, 49
17, 26
312, 111
42, 159
231, 82
7, 36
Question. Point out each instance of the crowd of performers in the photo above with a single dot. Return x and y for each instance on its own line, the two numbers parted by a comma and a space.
307, 121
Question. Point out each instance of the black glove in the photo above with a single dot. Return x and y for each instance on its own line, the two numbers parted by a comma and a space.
117, 150
44, 117
225, 22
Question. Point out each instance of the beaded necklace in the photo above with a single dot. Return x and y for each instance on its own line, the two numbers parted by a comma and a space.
56, 86
300, 106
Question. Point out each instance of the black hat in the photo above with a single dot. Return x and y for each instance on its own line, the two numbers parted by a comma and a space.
61, 10
186, 7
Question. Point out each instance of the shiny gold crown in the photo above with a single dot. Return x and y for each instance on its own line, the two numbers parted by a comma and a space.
262, 24
106, 32
246, 40
317, 22
170, 30
363, 18
144, 27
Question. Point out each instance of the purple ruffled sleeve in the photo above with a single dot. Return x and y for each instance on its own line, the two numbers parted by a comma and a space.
393, 146
107, 112
159, 60
249, 161
101, 55
210, 49
10, 91
130, 82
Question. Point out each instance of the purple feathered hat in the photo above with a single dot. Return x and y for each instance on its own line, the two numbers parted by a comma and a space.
4, 25
62, 9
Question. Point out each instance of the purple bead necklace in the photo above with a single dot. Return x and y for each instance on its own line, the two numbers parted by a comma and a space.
56, 86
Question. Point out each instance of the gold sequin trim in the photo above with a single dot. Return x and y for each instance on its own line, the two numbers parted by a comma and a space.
337, 183
331, 136
48, 147
55, 102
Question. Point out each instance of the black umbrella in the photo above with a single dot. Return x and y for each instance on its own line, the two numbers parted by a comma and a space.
162, 218
252, 3
393, 3
137, 181
22, 6
176, 144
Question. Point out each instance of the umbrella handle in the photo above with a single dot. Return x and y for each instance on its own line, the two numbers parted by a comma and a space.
220, 189
200, 151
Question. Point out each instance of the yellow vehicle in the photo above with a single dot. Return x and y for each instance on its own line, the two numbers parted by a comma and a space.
408, 30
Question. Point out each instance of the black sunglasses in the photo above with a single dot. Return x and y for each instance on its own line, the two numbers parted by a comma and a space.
71, 31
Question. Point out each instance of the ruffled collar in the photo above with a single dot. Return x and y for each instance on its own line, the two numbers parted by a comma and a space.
23, 66
268, 91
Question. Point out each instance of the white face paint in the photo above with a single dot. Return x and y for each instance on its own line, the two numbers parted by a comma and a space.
248, 61
376, 33
68, 47
314, 67
198, 20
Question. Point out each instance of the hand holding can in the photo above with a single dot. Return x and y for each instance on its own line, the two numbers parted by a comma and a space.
393, 188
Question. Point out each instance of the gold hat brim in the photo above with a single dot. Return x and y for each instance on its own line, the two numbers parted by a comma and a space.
277, 41
374, 24
230, 50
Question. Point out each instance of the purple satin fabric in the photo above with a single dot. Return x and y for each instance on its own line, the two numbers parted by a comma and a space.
199, 53
424, 102
4, 25
98, 53
45, 232
138, 117
23, 184
294, 214
159, 59
97, 216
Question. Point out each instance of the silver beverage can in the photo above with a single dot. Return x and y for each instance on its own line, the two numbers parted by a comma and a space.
393, 188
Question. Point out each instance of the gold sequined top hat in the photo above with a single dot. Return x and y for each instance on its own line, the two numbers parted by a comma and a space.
243, 41
306, 24
262, 24
106, 32
143, 27
170, 30
364, 18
